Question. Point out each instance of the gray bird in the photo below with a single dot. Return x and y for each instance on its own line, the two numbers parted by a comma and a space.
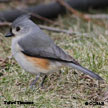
37, 53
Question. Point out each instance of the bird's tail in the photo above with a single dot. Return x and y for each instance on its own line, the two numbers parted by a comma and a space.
84, 70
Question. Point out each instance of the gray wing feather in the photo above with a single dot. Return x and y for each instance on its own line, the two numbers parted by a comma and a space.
40, 45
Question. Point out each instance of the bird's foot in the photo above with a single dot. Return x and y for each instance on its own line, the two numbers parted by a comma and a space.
43, 81
33, 83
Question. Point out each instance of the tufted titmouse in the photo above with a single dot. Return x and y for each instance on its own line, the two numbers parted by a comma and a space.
37, 53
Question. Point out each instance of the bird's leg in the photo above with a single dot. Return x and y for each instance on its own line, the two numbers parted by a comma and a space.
33, 83
43, 80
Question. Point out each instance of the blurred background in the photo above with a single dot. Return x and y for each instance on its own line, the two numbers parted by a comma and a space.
80, 27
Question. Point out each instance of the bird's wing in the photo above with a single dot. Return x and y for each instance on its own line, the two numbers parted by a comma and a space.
48, 50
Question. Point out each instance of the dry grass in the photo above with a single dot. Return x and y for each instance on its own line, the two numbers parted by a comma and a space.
67, 88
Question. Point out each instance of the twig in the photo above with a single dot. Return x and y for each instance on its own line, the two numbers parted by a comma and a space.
75, 12
69, 32
5, 24
43, 18
97, 16
57, 30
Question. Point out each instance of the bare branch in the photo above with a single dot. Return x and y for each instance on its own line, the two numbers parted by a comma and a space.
56, 30
97, 16
5, 24
69, 32
75, 12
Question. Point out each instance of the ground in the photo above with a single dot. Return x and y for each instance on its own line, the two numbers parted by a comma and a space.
67, 88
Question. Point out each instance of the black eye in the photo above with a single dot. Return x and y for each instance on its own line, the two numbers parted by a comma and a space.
17, 29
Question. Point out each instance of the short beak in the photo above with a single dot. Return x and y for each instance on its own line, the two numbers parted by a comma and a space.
9, 34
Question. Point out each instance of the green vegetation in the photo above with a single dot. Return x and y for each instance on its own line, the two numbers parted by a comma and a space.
67, 88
